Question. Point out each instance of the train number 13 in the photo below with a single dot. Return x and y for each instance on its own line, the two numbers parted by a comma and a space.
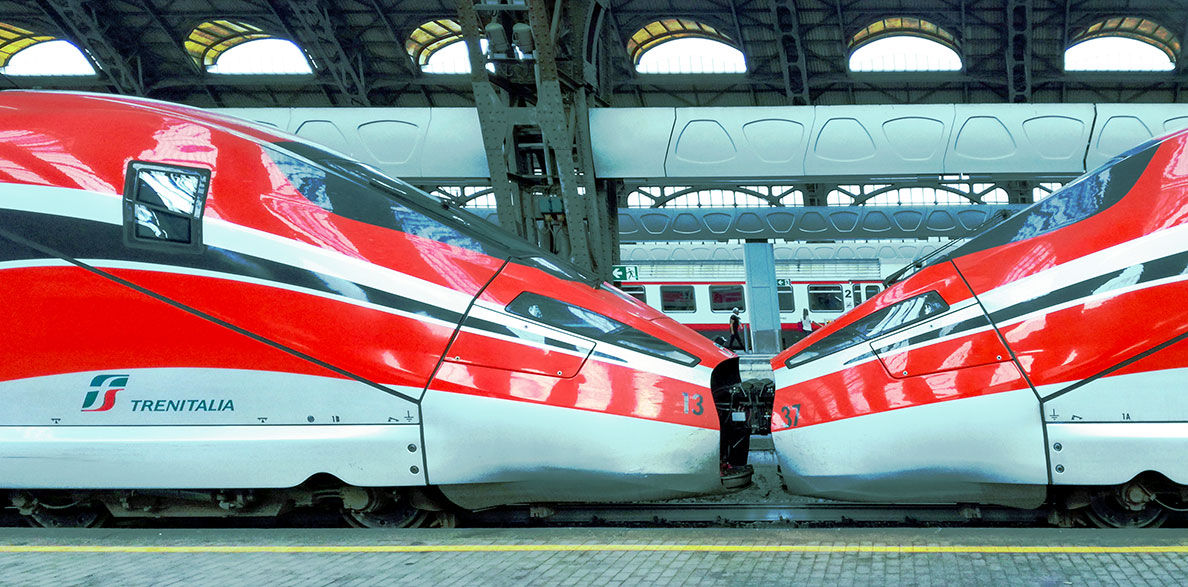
791, 414
694, 401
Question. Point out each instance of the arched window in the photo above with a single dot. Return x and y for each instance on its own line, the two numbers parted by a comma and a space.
904, 44
437, 47
25, 53
678, 45
1123, 44
230, 47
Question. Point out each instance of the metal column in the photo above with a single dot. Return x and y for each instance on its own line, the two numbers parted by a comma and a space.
762, 296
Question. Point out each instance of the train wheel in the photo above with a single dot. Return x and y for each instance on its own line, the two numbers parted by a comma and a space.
66, 512
1127, 506
387, 511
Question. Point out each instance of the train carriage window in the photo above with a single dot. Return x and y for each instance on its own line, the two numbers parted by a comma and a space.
163, 206
872, 291
635, 291
825, 298
856, 291
677, 298
787, 300
724, 298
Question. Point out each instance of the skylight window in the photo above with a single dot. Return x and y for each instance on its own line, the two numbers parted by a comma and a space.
678, 45
48, 58
436, 46
23, 52
904, 44
692, 56
1123, 44
263, 57
232, 47
453, 58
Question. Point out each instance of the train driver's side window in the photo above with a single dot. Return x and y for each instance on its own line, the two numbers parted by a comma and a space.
825, 298
677, 298
163, 206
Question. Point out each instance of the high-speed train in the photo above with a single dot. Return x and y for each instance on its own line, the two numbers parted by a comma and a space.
203, 316
1045, 360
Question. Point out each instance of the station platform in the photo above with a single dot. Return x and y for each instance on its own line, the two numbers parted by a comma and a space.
598, 556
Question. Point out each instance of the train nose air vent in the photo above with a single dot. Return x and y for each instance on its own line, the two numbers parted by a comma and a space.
501, 341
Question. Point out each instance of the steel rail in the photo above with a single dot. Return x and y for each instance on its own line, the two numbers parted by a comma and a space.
687, 513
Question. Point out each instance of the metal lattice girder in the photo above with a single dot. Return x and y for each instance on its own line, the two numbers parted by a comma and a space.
492, 107
786, 20
314, 29
585, 220
79, 19
1018, 46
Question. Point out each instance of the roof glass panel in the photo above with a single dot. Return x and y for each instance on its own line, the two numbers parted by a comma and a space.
904, 44
692, 55
14, 39
1123, 44
48, 58
236, 47
662, 31
434, 36
262, 57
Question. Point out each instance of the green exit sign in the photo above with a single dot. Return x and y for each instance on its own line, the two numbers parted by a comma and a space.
624, 272
783, 283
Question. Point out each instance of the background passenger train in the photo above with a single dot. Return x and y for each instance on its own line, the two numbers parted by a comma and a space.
706, 305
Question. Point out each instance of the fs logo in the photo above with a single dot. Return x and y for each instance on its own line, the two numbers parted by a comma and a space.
109, 385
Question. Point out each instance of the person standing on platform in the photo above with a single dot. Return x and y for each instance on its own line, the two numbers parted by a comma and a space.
806, 324
735, 331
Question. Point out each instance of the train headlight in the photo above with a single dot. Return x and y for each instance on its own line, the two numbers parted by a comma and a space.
884, 321
593, 325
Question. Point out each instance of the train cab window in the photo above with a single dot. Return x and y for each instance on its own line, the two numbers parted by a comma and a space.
871, 291
677, 298
825, 298
635, 291
163, 206
724, 298
787, 300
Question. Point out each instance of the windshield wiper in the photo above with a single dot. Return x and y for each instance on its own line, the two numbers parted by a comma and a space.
997, 216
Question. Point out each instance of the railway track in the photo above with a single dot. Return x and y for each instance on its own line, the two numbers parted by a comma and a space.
743, 513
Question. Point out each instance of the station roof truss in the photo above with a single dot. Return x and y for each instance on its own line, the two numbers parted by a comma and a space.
371, 52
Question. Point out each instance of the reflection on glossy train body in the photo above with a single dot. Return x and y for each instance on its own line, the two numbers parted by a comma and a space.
1041, 361
205, 305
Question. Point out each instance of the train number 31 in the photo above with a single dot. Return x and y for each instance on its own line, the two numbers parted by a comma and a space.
791, 414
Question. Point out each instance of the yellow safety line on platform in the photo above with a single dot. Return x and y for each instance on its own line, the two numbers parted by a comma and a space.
908, 549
